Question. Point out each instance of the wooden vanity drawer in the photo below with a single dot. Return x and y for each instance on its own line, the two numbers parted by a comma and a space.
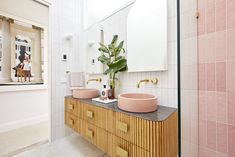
78, 125
90, 132
135, 130
89, 113
70, 106
122, 126
102, 117
110, 121
78, 108
123, 148
102, 139
70, 120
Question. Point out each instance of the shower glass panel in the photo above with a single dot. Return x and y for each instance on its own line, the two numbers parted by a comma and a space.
189, 78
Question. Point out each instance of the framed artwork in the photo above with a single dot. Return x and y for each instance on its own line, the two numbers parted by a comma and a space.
22, 48
21, 53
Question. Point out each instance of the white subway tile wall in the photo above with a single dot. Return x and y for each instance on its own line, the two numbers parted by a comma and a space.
166, 89
64, 20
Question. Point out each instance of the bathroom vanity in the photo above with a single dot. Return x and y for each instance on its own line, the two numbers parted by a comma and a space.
124, 134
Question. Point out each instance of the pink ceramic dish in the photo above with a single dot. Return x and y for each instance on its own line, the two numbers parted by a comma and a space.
137, 102
85, 93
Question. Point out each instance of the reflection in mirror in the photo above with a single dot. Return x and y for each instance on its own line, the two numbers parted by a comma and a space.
94, 37
21, 53
96, 10
103, 32
147, 36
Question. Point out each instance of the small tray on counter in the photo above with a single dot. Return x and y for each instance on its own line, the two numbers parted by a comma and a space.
105, 101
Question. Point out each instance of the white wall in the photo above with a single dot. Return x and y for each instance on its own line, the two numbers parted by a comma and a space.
26, 9
21, 108
24, 106
166, 89
64, 19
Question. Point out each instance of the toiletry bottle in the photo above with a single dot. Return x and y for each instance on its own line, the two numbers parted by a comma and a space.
111, 93
104, 92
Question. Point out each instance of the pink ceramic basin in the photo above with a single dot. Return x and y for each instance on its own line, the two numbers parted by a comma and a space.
137, 102
85, 93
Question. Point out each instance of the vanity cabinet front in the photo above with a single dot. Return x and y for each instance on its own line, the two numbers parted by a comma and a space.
123, 148
70, 120
120, 134
70, 106
89, 113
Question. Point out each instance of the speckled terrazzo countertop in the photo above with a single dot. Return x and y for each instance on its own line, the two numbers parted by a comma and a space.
161, 114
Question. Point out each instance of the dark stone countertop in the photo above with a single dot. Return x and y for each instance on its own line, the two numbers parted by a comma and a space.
161, 114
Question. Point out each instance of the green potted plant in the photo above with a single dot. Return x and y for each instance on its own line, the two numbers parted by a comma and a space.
112, 56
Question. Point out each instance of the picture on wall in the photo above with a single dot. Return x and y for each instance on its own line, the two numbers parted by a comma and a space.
23, 48
21, 54
22, 57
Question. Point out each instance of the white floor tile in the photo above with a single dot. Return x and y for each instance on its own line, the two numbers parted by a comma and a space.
70, 146
14, 140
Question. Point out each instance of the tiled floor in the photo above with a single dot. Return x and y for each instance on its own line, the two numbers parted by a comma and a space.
15, 140
70, 146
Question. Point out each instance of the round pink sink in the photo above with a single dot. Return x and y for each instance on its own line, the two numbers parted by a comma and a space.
137, 102
85, 93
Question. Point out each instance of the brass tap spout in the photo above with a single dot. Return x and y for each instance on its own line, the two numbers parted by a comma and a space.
97, 80
141, 81
153, 81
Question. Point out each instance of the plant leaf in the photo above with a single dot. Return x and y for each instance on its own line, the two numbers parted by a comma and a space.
115, 62
118, 65
107, 71
119, 48
111, 49
124, 69
103, 48
114, 40
123, 50
103, 59
119, 57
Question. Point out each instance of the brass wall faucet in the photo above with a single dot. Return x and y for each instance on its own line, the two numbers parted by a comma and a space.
153, 81
96, 79
141, 81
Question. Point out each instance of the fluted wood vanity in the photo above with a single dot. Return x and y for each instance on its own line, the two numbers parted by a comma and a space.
124, 134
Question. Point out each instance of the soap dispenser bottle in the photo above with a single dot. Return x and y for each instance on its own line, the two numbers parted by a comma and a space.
104, 92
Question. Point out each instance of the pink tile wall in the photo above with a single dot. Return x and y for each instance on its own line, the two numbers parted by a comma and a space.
216, 78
